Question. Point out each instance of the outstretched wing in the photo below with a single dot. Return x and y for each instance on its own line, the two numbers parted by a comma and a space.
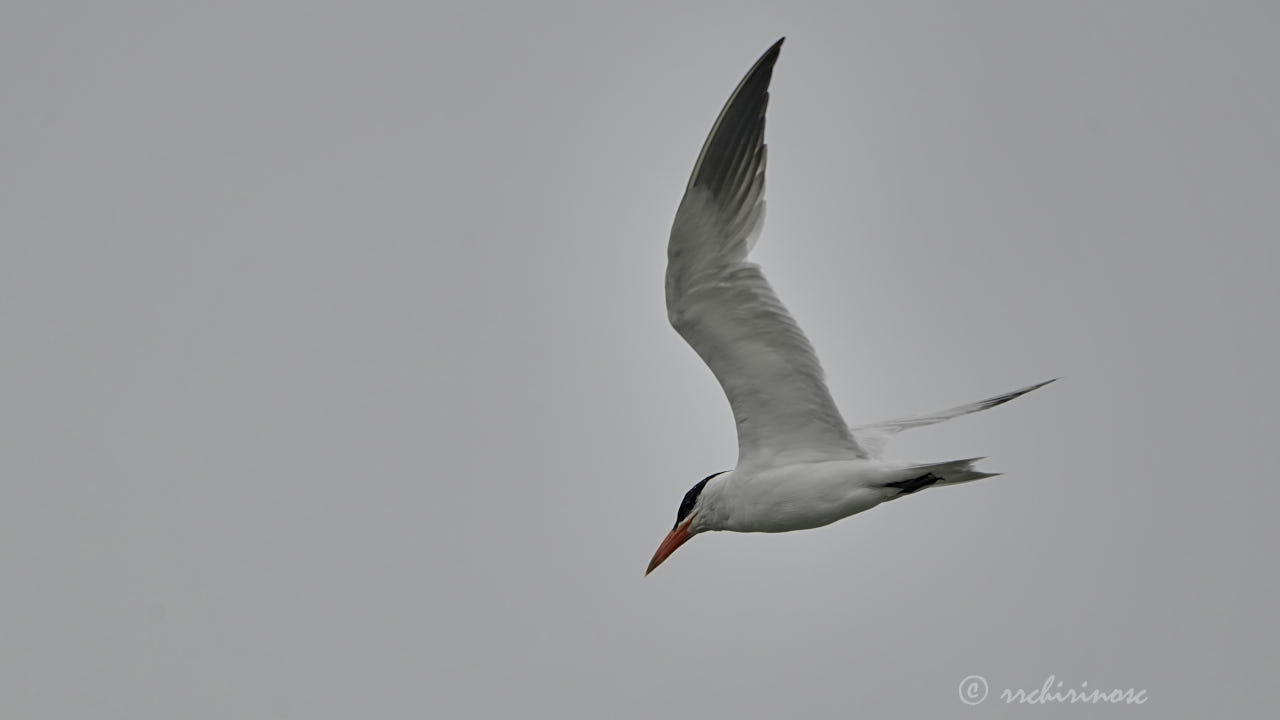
724, 307
872, 438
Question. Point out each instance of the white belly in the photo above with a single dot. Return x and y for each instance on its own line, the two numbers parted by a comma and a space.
798, 497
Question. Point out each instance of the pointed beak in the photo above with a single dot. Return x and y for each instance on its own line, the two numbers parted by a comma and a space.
677, 537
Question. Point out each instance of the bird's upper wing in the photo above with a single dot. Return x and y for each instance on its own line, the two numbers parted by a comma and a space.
724, 307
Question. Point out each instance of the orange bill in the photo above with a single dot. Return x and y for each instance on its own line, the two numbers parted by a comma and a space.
677, 537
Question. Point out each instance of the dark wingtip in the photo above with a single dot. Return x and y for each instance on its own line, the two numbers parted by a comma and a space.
764, 65
771, 55
1002, 399
733, 150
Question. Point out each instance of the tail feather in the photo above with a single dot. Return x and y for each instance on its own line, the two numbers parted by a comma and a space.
952, 472
913, 478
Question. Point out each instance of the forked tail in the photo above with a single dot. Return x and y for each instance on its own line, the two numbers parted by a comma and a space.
918, 477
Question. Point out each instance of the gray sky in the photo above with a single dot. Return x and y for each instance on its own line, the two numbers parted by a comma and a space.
337, 382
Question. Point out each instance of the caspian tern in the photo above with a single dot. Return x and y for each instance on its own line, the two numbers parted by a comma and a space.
799, 465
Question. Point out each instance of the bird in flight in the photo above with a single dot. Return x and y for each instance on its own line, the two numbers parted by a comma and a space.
799, 465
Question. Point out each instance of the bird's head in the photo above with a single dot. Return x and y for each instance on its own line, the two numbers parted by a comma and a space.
694, 516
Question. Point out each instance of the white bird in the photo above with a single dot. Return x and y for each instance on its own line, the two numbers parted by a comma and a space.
799, 465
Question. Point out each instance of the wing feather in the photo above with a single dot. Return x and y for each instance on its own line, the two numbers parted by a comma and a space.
726, 310
873, 437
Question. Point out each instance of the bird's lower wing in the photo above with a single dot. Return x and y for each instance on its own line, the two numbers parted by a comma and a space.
872, 438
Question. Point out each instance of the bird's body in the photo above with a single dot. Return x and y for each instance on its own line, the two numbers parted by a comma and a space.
798, 496
799, 465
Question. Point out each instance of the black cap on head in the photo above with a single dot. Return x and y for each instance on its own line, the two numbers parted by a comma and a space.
691, 499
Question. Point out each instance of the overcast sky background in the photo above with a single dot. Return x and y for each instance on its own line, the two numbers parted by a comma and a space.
336, 380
